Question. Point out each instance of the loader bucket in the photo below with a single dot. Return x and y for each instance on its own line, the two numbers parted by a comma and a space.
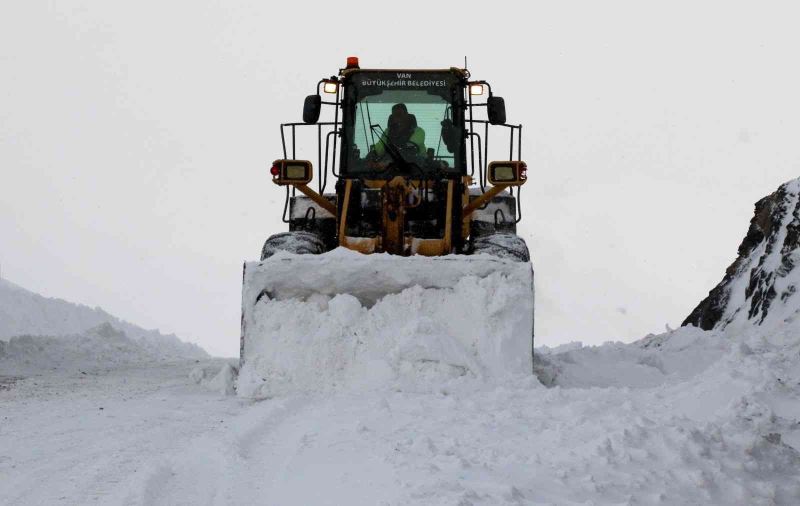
315, 322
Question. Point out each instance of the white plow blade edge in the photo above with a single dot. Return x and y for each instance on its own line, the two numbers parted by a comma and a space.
311, 322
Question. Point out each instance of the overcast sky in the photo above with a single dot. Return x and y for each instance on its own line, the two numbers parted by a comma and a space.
135, 139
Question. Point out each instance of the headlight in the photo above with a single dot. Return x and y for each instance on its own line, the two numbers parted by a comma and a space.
508, 173
296, 172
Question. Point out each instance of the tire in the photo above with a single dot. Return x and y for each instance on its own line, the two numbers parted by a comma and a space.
299, 243
508, 246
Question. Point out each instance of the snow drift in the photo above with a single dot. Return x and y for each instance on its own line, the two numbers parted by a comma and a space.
375, 319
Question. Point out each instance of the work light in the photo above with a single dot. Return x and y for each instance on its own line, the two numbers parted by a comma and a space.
330, 86
475, 89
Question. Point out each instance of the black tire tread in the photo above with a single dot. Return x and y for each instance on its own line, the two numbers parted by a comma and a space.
297, 242
508, 246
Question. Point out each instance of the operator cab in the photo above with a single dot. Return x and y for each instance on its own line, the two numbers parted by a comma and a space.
403, 122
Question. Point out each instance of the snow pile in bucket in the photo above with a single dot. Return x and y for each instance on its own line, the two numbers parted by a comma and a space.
343, 319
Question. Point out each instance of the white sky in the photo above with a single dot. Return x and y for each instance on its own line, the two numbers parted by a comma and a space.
135, 139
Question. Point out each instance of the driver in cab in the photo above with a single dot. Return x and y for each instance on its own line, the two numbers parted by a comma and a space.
402, 132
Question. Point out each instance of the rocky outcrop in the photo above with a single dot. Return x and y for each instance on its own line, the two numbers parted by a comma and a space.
760, 286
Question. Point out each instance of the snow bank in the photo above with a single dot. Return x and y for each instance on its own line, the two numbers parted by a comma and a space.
674, 356
729, 374
341, 319
221, 380
101, 347
26, 313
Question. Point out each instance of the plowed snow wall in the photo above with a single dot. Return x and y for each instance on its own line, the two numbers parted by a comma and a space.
312, 322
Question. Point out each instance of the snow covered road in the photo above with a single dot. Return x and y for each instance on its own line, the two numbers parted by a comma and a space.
499, 446
75, 438
161, 439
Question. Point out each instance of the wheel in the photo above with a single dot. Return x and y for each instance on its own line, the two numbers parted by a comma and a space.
509, 246
299, 243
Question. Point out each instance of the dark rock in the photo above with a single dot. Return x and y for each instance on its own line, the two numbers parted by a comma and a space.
767, 258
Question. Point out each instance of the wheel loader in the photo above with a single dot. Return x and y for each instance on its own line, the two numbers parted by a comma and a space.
402, 171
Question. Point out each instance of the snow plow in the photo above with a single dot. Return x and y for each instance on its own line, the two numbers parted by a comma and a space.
411, 255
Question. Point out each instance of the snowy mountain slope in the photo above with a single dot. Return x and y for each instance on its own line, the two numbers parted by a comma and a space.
760, 287
26, 313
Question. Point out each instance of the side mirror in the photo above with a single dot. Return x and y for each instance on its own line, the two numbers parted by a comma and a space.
511, 173
496, 110
449, 135
311, 109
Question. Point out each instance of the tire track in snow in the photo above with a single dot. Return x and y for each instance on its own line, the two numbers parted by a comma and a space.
217, 466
